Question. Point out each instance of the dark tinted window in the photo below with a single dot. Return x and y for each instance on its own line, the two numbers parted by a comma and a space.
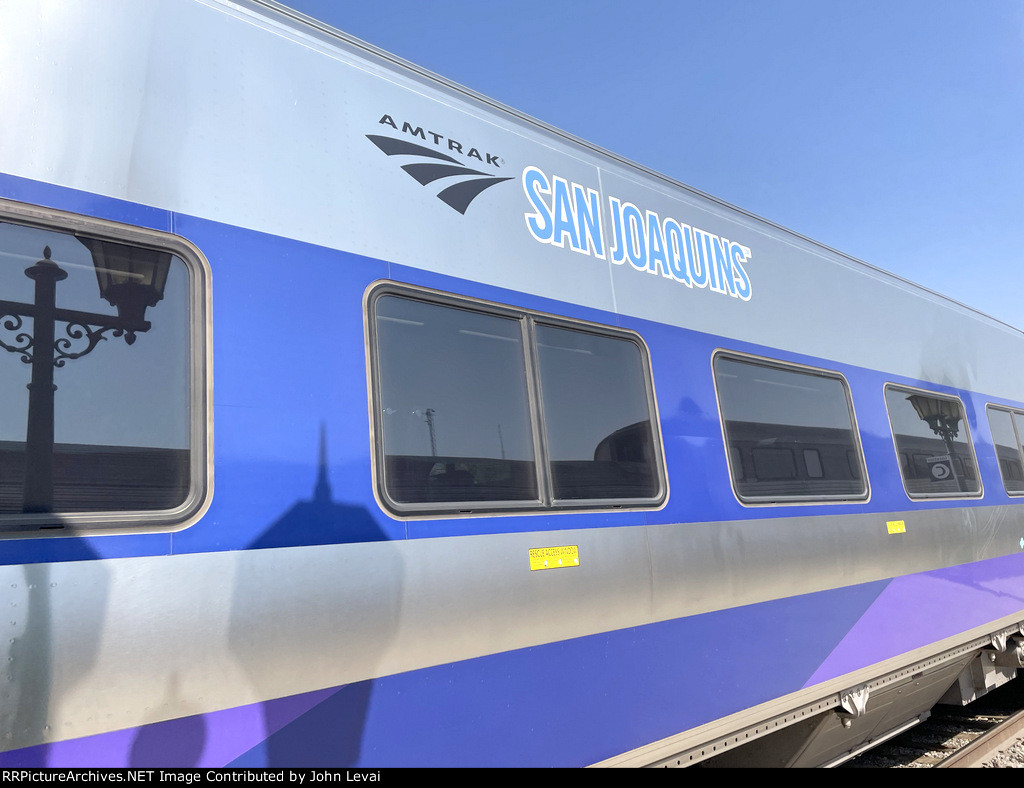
470, 396
736, 460
117, 434
454, 404
1007, 445
853, 463
596, 416
770, 464
931, 429
775, 415
812, 461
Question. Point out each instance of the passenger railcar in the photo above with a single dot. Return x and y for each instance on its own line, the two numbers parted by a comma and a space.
350, 418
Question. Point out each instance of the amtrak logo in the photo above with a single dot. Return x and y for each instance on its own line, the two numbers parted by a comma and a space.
440, 165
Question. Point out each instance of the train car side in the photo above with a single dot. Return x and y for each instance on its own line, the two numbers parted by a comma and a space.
395, 312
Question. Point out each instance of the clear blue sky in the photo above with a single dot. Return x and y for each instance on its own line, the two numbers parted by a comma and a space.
892, 130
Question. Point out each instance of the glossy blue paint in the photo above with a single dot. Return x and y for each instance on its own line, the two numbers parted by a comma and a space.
288, 357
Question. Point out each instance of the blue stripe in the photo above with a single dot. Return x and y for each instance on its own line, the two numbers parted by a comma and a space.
289, 355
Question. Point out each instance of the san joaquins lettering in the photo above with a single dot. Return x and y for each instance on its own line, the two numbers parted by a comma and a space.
568, 214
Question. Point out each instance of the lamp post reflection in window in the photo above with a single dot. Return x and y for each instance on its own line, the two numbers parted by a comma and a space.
943, 418
131, 279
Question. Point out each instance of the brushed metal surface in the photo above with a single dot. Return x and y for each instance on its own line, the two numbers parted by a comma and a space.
95, 646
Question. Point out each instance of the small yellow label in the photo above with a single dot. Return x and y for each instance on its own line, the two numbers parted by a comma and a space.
554, 557
896, 526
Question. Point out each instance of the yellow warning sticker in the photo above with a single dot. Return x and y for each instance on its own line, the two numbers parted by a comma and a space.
896, 526
554, 557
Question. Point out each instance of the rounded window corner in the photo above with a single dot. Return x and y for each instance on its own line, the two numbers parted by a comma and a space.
127, 309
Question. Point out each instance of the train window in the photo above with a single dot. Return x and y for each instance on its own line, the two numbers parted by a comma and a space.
480, 407
1006, 426
736, 461
930, 428
597, 417
773, 463
774, 413
812, 461
101, 377
853, 463
454, 405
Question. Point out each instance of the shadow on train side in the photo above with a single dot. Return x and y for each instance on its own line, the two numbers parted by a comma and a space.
324, 727
32, 688
320, 520
177, 743
320, 728
279, 732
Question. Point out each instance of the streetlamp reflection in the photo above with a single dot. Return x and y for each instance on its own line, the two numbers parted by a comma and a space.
131, 279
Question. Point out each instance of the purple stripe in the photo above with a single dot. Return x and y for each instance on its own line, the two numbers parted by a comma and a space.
200, 741
916, 610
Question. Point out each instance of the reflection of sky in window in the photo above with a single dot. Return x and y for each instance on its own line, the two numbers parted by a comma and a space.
592, 386
116, 395
467, 367
753, 393
905, 420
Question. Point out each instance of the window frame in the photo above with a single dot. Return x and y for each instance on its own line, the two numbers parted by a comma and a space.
529, 319
200, 394
967, 433
789, 500
990, 406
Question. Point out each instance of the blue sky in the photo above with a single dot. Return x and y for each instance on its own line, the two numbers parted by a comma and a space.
890, 130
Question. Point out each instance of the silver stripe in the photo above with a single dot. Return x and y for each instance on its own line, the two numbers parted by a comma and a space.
96, 646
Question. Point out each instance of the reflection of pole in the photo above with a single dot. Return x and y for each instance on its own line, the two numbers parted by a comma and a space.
43, 353
501, 442
38, 492
947, 439
430, 426
943, 418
